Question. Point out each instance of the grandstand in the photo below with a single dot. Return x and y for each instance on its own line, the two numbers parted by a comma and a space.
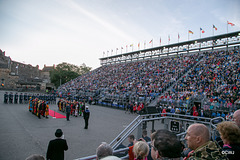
174, 74
202, 73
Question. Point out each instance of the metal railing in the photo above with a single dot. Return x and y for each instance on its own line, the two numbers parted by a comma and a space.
139, 120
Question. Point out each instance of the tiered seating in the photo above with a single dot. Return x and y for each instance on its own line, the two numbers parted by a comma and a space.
136, 81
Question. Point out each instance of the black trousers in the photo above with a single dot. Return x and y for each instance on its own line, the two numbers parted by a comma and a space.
86, 123
68, 114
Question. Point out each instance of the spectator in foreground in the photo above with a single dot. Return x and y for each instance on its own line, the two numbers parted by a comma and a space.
35, 157
105, 152
140, 150
131, 139
145, 137
230, 134
57, 147
236, 117
165, 145
198, 139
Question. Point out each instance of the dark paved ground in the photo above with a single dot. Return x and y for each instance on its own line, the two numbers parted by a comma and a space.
23, 134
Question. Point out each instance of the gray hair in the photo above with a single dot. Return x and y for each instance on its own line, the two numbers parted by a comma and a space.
104, 150
35, 157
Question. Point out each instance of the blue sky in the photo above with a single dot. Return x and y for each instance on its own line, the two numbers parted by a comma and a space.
50, 32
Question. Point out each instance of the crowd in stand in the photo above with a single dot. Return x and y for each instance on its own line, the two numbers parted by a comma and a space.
213, 76
216, 78
140, 79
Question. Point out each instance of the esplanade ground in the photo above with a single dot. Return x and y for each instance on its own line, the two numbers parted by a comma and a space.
23, 134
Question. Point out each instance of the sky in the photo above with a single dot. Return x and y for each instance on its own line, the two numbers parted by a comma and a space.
47, 32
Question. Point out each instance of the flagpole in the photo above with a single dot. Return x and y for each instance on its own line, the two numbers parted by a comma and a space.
213, 31
200, 33
168, 39
178, 37
227, 26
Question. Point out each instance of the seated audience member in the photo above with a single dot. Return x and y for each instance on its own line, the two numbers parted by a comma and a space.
230, 134
35, 157
165, 145
120, 146
140, 150
145, 137
198, 139
131, 139
105, 152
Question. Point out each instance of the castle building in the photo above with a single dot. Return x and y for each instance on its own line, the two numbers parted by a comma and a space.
23, 77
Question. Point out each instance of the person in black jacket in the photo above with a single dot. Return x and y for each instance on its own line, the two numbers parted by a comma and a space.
57, 147
86, 115
68, 110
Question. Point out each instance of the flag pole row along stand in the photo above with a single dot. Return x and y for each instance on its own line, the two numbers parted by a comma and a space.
214, 28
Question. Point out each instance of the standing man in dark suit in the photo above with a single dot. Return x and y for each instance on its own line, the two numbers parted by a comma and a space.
86, 115
57, 147
68, 110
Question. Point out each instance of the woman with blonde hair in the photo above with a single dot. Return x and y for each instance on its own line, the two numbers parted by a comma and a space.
140, 150
230, 133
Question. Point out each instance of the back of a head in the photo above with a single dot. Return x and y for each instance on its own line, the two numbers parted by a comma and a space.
167, 144
140, 150
35, 157
104, 150
229, 131
111, 158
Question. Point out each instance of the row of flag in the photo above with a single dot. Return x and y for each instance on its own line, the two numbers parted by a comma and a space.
151, 41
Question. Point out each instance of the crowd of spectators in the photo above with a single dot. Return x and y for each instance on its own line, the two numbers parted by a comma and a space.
142, 80
213, 76
216, 78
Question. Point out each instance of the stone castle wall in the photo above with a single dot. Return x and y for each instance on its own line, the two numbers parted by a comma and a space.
13, 73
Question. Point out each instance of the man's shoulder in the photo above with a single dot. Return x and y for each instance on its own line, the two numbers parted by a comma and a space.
57, 140
209, 151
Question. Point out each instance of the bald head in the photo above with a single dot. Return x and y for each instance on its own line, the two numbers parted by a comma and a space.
236, 117
201, 130
197, 135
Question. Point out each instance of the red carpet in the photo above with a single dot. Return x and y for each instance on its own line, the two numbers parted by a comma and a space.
57, 115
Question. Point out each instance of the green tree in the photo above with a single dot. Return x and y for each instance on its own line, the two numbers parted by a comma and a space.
65, 72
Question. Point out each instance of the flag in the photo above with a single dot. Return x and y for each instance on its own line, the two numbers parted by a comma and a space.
189, 31
202, 30
138, 44
178, 36
215, 27
168, 37
131, 45
230, 23
160, 40
151, 41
